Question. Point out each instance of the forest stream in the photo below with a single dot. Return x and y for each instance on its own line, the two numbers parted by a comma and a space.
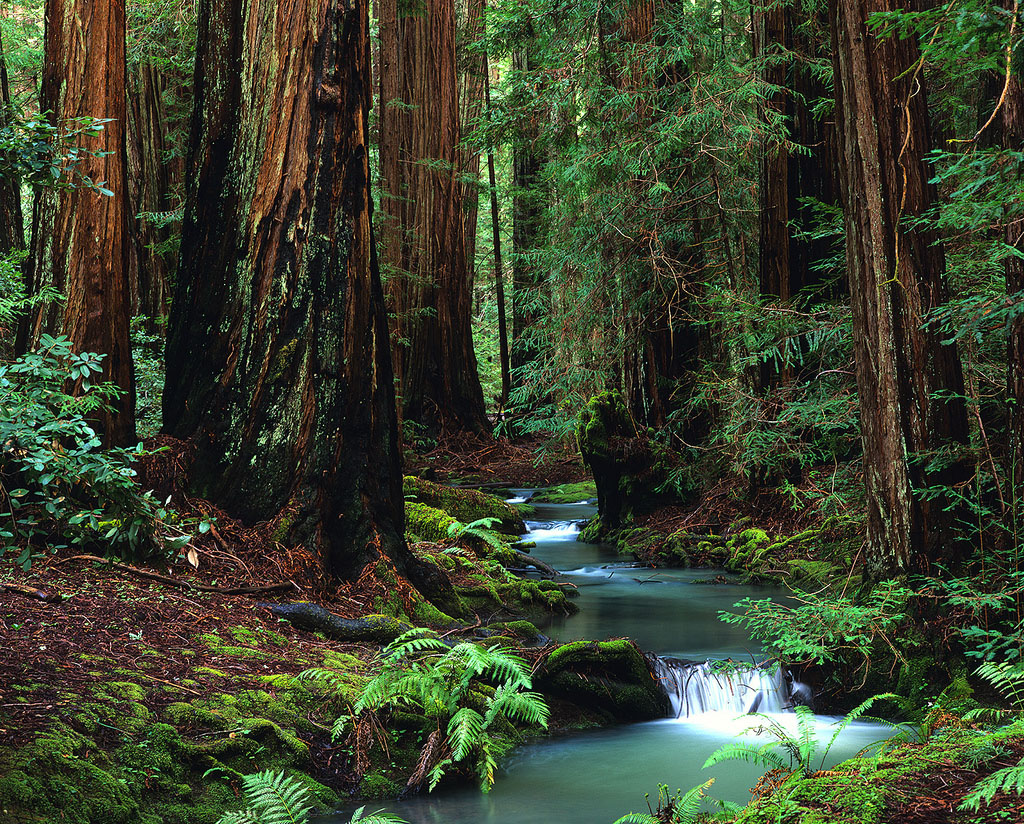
595, 776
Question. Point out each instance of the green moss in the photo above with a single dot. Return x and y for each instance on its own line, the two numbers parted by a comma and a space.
376, 785
566, 493
465, 505
426, 522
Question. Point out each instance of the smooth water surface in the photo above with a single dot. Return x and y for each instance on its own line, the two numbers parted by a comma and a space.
596, 776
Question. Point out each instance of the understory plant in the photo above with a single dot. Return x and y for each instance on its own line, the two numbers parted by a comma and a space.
824, 627
793, 754
58, 485
675, 808
468, 691
276, 798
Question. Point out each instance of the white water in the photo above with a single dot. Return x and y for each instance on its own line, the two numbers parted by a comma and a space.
695, 689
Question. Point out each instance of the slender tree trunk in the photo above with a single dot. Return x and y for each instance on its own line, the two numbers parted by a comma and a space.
528, 197
1013, 139
896, 276
499, 274
80, 237
278, 364
423, 196
12, 226
151, 180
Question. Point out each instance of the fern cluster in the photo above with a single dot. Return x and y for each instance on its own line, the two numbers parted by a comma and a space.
276, 798
421, 671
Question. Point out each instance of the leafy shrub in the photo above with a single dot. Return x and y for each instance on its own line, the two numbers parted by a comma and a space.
57, 484
823, 628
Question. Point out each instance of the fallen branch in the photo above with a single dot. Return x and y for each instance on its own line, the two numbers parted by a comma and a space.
529, 560
32, 592
177, 582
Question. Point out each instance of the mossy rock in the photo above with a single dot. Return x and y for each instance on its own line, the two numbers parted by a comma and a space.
609, 677
566, 493
465, 505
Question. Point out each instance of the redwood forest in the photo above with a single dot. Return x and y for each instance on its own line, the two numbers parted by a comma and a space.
511, 411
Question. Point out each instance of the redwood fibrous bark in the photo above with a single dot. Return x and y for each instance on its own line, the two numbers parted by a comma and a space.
12, 226
910, 384
152, 179
80, 235
278, 361
423, 228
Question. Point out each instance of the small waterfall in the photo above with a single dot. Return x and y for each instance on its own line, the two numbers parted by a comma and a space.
695, 689
553, 530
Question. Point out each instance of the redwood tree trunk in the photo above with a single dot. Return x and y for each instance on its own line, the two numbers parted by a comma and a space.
896, 276
151, 180
278, 364
424, 247
528, 198
80, 236
12, 227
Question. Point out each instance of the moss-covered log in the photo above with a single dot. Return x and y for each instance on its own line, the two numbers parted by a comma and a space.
610, 677
466, 505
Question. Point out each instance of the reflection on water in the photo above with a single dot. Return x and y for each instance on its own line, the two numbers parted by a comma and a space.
594, 777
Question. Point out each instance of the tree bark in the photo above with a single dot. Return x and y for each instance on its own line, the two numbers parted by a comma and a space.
278, 364
896, 276
12, 226
1013, 139
80, 236
499, 273
424, 226
152, 179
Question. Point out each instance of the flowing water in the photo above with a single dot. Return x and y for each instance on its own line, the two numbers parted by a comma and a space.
596, 776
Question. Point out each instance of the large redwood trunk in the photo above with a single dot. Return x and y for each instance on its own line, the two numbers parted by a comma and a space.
896, 276
278, 364
80, 236
423, 248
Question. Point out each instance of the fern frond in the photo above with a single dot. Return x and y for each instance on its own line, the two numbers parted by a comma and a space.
324, 679
378, 817
486, 765
764, 756
856, 713
277, 798
246, 817
1006, 780
807, 741
1007, 678
637, 818
413, 642
688, 806
465, 730
437, 773
528, 707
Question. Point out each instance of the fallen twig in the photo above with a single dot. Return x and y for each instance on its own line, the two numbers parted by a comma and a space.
177, 582
32, 592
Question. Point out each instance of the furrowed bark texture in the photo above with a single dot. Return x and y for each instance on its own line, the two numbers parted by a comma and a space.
12, 226
151, 180
896, 276
80, 237
423, 247
528, 198
472, 66
278, 365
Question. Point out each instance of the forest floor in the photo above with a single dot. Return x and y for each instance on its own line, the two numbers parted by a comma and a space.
120, 694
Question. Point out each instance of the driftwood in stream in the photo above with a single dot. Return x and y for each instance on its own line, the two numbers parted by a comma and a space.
379, 629
529, 560
177, 582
